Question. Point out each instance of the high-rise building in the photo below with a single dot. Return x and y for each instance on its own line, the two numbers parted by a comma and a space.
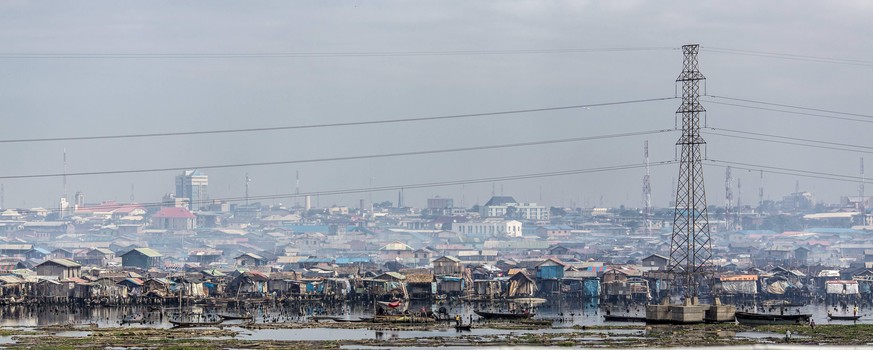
193, 184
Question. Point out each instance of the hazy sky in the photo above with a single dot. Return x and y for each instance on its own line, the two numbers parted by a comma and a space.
93, 95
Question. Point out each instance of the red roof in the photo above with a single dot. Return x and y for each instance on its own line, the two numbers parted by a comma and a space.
110, 206
174, 213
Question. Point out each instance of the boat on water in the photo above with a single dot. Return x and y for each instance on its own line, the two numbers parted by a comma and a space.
752, 318
324, 318
504, 315
527, 300
623, 318
180, 324
464, 327
236, 317
402, 318
133, 319
843, 317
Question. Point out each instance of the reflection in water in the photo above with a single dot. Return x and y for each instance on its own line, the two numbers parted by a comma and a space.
563, 312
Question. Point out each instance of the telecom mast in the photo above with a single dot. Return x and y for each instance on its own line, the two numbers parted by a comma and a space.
647, 192
728, 198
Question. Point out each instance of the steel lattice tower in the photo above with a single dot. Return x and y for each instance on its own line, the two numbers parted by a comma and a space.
691, 247
647, 192
728, 198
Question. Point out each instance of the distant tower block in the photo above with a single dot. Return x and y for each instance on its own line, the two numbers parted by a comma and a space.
691, 248
307, 203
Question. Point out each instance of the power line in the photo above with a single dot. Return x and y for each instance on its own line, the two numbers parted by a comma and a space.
787, 138
194, 55
332, 159
791, 112
788, 56
784, 142
428, 184
790, 171
331, 125
821, 145
791, 106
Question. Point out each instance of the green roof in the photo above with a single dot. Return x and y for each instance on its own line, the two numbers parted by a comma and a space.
63, 262
149, 252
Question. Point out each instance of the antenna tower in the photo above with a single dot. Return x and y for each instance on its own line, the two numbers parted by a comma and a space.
691, 248
738, 224
761, 190
647, 192
728, 198
861, 200
65, 174
247, 188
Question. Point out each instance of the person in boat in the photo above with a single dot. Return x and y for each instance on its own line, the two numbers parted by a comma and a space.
458, 320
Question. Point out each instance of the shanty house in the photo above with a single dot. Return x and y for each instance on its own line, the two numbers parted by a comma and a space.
144, 258
98, 257
397, 251
420, 285
521, 286
63, 268
655, 261
250, 260
447, 266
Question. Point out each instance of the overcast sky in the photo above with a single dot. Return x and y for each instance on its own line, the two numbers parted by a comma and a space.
91, 95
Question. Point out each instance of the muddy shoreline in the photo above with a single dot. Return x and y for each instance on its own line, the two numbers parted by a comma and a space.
627, 336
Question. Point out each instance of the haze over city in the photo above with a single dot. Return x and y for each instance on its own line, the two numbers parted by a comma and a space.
110, 68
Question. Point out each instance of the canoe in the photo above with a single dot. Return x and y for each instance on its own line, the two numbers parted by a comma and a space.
752, 318
324, 318
503, 315
620, 318
133, 319
527, 300
844, 317
193, 324
236, 317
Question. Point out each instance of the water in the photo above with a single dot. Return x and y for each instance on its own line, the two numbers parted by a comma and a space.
563, 313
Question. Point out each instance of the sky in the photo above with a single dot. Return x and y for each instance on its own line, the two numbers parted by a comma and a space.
92, 68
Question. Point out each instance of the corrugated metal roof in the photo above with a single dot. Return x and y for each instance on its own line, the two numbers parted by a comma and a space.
62, 262
149, 252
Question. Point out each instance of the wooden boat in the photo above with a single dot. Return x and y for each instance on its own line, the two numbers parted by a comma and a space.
401, 319
527, 300
504, 315
350, 320
133, 319
194, 324
752, 318
623, 318
324, 318
843, 317
464, 327
235, 317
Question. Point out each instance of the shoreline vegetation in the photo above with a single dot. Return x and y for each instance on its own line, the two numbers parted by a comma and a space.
612, 336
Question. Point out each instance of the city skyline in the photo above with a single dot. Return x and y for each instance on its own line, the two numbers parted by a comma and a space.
91, 72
